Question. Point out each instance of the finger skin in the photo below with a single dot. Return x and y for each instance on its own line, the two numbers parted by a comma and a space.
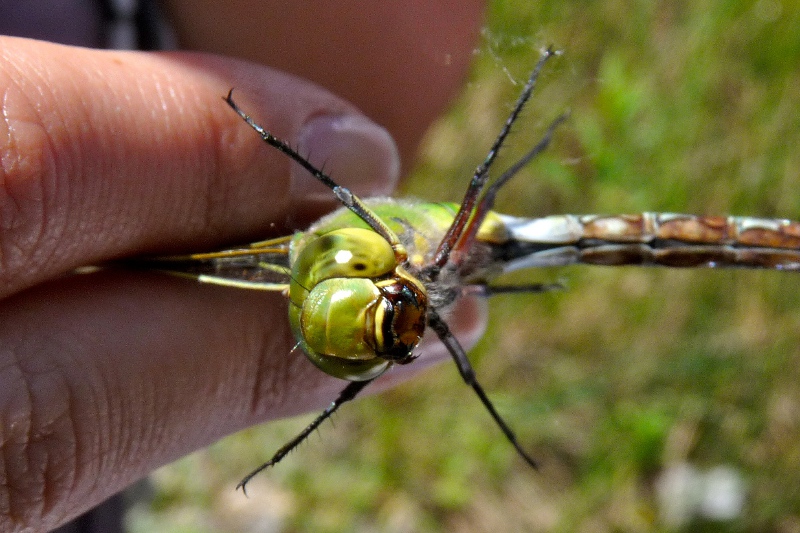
400, 62
104, 377
109, 154
91, 405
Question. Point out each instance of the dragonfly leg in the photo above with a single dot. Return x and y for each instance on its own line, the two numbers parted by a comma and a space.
488, 199
348, 393
467, 208
531, 288
468, 375
343, 194
464, 244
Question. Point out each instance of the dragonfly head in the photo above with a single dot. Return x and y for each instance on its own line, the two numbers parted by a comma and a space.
354, 311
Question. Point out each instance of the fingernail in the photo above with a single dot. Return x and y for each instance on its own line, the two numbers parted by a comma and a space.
354, 151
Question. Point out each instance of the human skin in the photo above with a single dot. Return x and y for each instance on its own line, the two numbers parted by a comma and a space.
107, 154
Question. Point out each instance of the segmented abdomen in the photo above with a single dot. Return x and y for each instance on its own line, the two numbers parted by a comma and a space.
665, 239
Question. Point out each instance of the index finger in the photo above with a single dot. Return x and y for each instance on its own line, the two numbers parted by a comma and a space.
106, 154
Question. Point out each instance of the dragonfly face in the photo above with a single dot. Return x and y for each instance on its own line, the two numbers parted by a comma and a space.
353, 309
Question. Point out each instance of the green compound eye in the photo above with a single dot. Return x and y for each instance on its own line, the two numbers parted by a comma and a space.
347, 301
342, 253
335, 327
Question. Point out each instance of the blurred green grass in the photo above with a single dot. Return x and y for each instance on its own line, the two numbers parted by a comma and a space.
676, 106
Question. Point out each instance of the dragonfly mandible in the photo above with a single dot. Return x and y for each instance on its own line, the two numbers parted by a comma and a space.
365, 282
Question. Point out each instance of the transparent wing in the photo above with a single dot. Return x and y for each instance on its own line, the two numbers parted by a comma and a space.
262, 266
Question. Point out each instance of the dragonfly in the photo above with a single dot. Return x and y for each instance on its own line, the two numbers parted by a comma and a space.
365, 282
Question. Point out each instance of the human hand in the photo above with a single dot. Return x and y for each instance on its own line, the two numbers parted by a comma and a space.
106, 376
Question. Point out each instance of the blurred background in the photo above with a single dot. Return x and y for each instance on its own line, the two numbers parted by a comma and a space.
654, 399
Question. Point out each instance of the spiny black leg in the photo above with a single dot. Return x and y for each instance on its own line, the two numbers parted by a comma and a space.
343, 194
494, 290
481, 175
464, 244
487, 202
347, 394
468, 375
518, 106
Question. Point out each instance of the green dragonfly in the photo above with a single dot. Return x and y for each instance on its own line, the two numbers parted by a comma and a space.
366, 281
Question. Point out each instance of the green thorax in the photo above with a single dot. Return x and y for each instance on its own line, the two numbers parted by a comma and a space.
420, 226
